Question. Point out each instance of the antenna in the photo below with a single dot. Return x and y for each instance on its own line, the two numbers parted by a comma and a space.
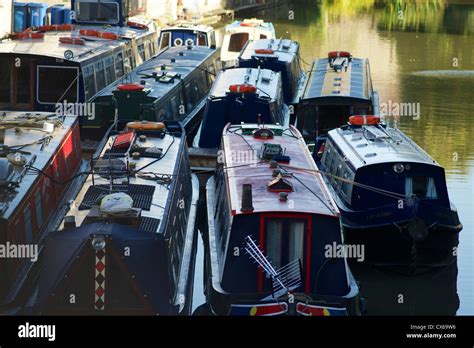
284, 279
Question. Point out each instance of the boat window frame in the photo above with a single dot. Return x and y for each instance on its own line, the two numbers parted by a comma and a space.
77, 11
39, 66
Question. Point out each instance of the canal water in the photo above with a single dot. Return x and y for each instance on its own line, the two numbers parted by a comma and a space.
420, 52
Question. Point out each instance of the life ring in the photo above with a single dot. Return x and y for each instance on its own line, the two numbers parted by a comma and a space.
242, 88
108, 35
189, 42
264, 51
130, 87
144, 125
89, 32
136, 25
178, 42
337, 54
30, 35
361, 120
72, 41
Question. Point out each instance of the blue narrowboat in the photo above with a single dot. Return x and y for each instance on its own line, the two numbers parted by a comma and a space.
127, 243
173, 85
271, 221
242, 95
43, 67
187, 34
388, 188
279, 55
336, 87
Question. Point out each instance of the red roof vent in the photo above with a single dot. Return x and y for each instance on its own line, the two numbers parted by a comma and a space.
280, 184
361, 120
123, 140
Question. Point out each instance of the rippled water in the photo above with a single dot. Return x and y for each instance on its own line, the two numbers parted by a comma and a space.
420, 52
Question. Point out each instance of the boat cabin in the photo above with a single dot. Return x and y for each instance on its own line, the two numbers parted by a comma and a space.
187, 34
127, 240
336, 87
39, 154
55, 64
270, 217
238, 33
242, 95
386, 177
171, 86
278, 55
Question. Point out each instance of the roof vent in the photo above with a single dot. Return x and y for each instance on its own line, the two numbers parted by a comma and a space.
247, 201
6, 171
280, 184
273, 152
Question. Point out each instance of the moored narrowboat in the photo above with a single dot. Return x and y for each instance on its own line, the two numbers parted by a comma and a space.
238, 33
127, 244
241, 95
279, 55
171, 86
337, 86
52, 67
389, 189
39, 154
271, 222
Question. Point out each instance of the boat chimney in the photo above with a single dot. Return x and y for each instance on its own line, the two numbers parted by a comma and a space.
247, 202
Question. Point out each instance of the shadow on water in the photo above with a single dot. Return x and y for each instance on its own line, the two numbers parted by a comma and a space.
390, 292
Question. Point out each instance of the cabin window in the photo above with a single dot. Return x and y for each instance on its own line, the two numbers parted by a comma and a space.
274, 234
57, 84
189, 96
421, 186
211, 74
237, 41
150, 50
93, 11
141, 52
110, 70
39, 210
202, 39
23, 79
27, 222
119, 65
285, 239
89, 81
100, 75
262, 36
165, 40
175, 108
17, 231
5, 73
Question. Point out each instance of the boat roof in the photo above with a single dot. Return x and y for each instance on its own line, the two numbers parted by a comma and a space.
267, 82
258, 23
355, 82
185, 62
26, 131
285, 50
189, 26
310, 194
152, 191
375, 144
50, 46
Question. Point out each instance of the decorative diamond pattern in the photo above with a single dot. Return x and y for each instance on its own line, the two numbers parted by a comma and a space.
100, 258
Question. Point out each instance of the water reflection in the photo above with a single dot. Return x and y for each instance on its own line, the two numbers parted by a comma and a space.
420, 52
390, 292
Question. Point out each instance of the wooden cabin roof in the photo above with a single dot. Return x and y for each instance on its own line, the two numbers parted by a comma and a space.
25, 132
244, 166
268, 83
176, 61
368, 145
51, 47
354, 82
